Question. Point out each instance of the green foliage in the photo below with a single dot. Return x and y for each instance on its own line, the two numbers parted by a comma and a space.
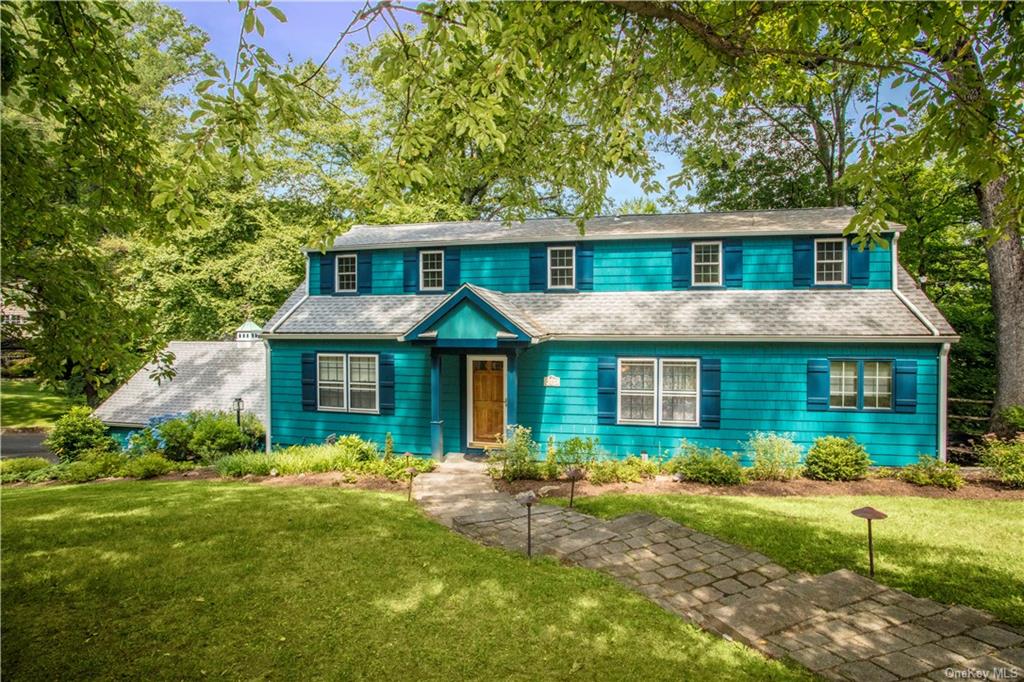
836, 459
776, 457
710, 466
389, 447
202, 436
363, 450
1004, 458
630, 470
1014, 417
349, 454
149, 466
578, 451
929, 470
76, 432
18, 468
514, 458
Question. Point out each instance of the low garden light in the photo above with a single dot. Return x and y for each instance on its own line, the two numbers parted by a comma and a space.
871, 514
527, 499
239, 405
411, 473
574, 474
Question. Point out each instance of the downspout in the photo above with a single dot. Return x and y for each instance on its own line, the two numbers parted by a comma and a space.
266, 388
943, 389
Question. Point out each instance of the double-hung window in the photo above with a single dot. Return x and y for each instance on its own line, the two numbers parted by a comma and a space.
658, 391
707, 263
877, 384
561, 267
431, 270
345, 269
842, 390
347, 382
830, 261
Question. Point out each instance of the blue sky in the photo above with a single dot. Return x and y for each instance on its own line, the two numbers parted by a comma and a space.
310, 32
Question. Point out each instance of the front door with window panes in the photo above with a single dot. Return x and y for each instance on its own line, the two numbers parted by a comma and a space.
487, 387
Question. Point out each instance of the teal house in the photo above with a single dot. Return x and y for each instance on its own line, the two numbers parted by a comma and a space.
640, 331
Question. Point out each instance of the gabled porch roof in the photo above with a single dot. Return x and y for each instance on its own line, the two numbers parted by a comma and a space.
473, 316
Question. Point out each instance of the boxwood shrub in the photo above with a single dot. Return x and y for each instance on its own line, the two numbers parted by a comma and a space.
76, 432
705, 465
930, 471
832, 458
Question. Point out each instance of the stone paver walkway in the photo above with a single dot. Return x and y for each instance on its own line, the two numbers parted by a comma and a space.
841, 625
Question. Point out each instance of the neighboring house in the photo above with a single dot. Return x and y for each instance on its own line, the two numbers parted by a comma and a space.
641, 332
209, 376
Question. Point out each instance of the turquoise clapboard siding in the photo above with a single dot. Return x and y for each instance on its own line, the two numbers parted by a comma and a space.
626, 265
121, 434
451, 402
409, 425
764, 387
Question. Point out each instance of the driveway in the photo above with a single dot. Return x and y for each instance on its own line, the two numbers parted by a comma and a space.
24, 444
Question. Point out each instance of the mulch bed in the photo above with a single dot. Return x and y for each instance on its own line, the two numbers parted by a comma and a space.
977, 487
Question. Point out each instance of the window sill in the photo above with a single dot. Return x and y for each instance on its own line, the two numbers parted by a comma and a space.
831, 286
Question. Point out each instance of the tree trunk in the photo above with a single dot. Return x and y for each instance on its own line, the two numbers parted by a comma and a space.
1006, 272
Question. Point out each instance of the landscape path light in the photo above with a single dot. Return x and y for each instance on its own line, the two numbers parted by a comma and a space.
527, 499
871, 514
239, 405
574, 474
411, 473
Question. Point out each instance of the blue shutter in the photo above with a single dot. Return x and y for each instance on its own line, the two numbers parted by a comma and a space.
681, 265
411, 277
585, 267
859, 263
538, 268
327, 280
365, 272
905, 386
308, 382
386, 368
607, 385
710, 394
817, 385
732, 255
803, 262
452, 269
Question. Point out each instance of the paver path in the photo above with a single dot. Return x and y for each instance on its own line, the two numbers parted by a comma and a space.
840, 625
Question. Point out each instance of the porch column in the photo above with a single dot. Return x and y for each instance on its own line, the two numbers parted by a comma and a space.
512, 390
436, 437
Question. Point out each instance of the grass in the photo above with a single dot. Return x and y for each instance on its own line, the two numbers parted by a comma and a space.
953, 551
188, 579
24, 405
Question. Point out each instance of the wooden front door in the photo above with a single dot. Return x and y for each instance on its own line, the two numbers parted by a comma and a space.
487, 390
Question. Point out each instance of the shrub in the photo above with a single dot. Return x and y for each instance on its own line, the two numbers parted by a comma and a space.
836, 459
514, 458
362, 450
107, 462
79, 472
77, 431
930, 471
1005, 459
16, 469
142, 442
776, 457
705, 465
343, 455
389, 447
148, 466
202, 436
550, 468
577, 452
1014, 416
629, 470
38, 476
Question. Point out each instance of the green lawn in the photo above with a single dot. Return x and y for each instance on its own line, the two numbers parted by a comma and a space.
24, 405
189, 579
954, 551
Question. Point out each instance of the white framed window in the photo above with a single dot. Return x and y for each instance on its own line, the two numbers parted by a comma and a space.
431, 270
830, 261
877, 384
679, 383
330, 382
348, 382
345, 268
561, 267
842, 389
707, 264
659, 391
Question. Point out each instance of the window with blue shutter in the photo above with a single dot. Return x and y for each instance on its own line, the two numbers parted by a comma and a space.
710, 393
387, 383
803, 261
817, 385
538, 268
309, 382
452, 269
411, 272
607, 385
365, 278
905, 388
327, 273
858, 262
681, 255
732, 255
585, 267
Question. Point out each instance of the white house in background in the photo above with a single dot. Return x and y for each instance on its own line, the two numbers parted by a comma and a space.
209, 376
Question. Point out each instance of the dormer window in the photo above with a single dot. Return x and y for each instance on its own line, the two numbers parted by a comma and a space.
431, 270
561, 267
707, 264
345, 267
830, 261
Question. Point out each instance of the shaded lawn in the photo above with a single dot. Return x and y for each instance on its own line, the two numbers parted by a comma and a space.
953, 551
141, 580
24, 405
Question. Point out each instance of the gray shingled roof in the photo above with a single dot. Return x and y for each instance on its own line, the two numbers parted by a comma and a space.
289, 303
798, 221
725, 313
908, 287
210, 375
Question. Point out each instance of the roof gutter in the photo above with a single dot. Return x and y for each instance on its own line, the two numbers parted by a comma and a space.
899, 294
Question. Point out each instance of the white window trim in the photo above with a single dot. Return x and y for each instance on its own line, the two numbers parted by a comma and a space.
892, 385
337, 273
693, 265
423, 253
572, 260
658, 421
843, 251
347, 383
344, 383
857, 387
696, 364
376, 383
